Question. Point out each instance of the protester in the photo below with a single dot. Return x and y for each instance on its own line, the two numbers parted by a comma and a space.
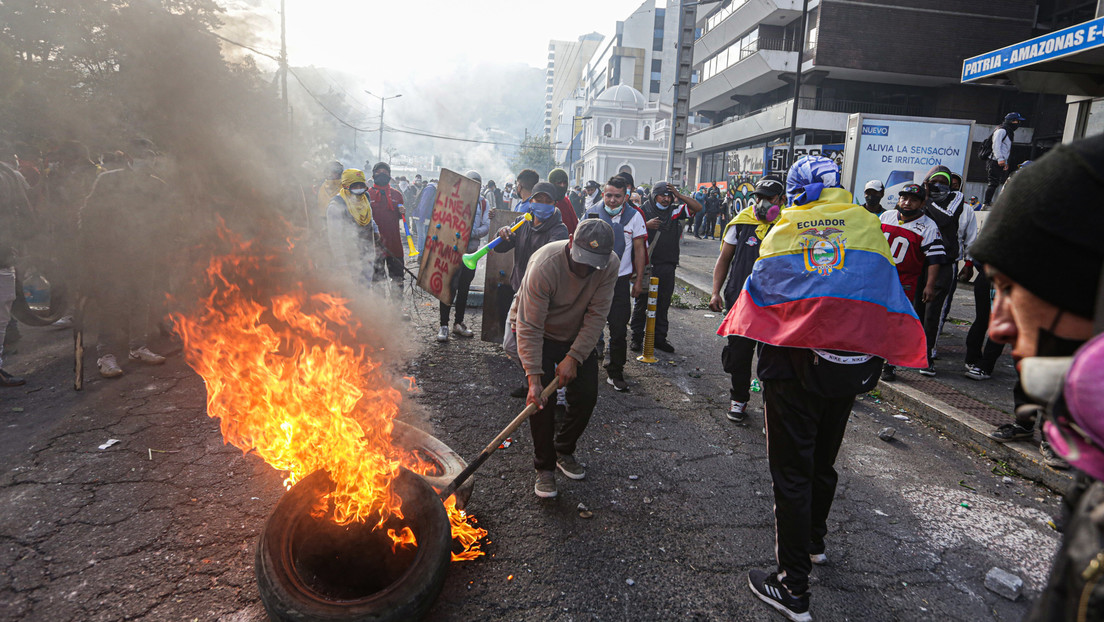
945, 207
351, 230
387, 212
664, 214
546, 226
873, 194
997, 164
576, 197
556, 318
916, 247
739, 250
825, 301
330, 186
593, 195
629, 235
967, 233
423, 213
120, 266
15, 222
524, 189
462, 279
409, 192
1048, 321
558, 178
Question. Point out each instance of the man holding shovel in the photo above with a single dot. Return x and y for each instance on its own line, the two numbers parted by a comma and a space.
557, 316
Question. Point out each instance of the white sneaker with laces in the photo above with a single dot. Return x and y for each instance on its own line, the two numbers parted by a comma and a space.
147, 356
442, 335
109, 367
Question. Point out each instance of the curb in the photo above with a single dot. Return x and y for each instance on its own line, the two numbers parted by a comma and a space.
971, 432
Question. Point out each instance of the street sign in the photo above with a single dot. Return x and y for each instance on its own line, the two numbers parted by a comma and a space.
1057, 44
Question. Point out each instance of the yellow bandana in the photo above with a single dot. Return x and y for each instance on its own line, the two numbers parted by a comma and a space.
359, 207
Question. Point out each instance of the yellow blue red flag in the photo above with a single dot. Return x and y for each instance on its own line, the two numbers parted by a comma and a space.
825, 279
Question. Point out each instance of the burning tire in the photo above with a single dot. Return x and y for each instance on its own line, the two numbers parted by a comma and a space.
314, 569
448, 464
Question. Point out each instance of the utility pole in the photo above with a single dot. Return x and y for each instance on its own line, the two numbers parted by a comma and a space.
681, 109
797, 81
284, 65
382, 100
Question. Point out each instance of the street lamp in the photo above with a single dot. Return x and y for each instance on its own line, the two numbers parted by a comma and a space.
382, 99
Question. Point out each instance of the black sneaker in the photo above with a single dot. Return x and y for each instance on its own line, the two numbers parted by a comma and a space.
1052, 459
569, 466
636, 346
8, 380
1011, 432
618, 384
927, 371
737, 411
665, 346
889, 373
771, 591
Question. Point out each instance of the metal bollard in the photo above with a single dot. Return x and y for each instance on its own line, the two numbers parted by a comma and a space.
649, 326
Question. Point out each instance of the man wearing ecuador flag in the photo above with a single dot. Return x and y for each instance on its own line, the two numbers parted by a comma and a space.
825, 302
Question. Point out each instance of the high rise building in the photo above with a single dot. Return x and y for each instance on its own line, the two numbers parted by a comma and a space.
859, 56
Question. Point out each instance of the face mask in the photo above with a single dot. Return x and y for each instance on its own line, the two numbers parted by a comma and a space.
358, 191
940, 192
766, 211
662, 206
612, 211
559, 193
381, 179
1050, 344
541, 211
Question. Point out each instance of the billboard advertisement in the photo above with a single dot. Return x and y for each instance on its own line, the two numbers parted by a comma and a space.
901, 150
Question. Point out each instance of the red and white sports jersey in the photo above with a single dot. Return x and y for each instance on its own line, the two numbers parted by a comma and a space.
913, 245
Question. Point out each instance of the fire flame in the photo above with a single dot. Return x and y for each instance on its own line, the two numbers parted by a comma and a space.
465, 532
289, 381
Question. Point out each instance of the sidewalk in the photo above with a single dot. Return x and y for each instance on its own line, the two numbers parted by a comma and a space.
966, 410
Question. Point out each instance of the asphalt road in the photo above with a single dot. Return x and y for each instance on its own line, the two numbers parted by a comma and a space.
163, 524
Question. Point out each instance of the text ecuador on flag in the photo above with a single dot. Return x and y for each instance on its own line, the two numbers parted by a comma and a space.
825, 279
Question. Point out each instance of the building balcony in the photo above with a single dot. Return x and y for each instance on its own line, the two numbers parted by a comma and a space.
763, 124
742, 19
757, 69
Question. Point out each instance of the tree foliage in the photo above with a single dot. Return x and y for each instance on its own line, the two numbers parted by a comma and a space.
535, 153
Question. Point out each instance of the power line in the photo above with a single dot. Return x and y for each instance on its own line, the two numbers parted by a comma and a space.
339, 119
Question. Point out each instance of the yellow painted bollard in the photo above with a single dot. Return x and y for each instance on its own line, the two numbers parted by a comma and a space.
649, 326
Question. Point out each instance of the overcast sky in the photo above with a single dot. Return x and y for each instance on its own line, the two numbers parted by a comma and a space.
428, 36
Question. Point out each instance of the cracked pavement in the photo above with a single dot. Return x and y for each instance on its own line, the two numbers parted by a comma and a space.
163, 524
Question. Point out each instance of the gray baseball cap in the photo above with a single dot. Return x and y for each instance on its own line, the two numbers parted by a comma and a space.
592, 243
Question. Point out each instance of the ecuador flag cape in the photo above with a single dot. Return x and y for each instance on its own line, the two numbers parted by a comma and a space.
825, 279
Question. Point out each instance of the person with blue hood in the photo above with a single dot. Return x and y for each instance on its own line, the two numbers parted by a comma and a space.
825, 302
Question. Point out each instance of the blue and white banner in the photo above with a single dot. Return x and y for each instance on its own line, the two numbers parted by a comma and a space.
1057, 44
898, 152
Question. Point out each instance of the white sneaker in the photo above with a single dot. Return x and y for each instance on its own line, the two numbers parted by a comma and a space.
462, 330
147, 356
442, 335
820, 559
109, 367
64, 322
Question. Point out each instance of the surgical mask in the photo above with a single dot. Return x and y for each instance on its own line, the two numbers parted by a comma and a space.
662, 206
1050, 344
612, 211
542, 211
381, 179
939, 192
358, 191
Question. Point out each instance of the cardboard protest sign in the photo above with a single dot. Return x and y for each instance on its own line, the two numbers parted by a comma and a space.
449, 230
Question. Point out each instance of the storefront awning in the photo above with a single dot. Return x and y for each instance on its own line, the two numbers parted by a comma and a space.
1065, 62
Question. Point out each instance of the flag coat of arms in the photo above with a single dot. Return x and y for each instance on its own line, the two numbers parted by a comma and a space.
825, 280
